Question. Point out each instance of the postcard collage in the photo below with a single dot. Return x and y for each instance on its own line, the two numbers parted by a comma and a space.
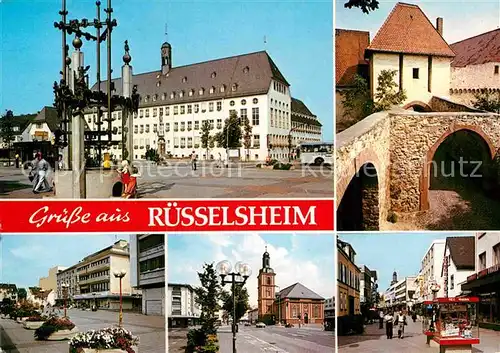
250, 177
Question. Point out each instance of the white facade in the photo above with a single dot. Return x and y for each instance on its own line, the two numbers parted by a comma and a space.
487, 250
431, 269
182, 300
37, 131
455, 277
8, 291
416, 87
401, 292
41, 298
180, 125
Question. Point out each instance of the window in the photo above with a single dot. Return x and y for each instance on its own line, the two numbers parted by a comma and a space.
147, 113
201, 91
219, 106
184, 79
190, 109
176, 110
497, 69
181, 94
176, 126
203, 107
255, 116
496, 254
141, 113
191, 92
219, 123
243, 102
415, 72
167, 111
147, 128
155, 128
196, 108
243, 113
256, 141
246, 69
167, 127
223, 88
234, 87
183, 126
211, 106
452, 281
482, 261
136, 129
161, 111
155, 97
172, 95
212, 90
213, 75
255, 101
183, 109
211, 121
231, 103
163, 96
155, 112
196, 125
141, 129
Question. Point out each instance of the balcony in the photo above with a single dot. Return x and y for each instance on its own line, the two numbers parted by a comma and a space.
156, 250
154, 276
94, 280
91, 269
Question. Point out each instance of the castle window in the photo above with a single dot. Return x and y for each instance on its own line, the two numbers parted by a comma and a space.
415, 73
214, 75
497, 69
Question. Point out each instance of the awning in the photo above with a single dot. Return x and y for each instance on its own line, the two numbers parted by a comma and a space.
484, 284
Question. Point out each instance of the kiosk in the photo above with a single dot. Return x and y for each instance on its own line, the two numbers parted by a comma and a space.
451, 324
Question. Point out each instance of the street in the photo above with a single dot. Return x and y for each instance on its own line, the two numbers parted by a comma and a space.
270, 340
150, 329
242, 180
375, 341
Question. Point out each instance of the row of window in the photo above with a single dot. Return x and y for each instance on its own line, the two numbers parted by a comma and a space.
348, 277
94, 264
188, 108
280, 119
344, 304
279, 87
152, 264
191, 92
94, 275
99, 287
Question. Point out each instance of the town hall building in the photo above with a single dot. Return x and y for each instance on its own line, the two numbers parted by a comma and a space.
291, 305
176, 101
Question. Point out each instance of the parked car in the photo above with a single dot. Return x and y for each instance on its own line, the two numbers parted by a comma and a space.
260, 325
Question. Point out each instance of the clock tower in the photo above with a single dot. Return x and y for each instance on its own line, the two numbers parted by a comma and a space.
265, 286
166, 58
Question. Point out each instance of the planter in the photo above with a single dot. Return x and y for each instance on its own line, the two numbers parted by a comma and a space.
267, 166
62, 335
32, 325
22, 319
111, 350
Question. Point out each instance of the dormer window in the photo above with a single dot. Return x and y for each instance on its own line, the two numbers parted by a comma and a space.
191, 92
163, 96
246, 69
223, 88
146, 99
184, 79
172, 95
181, 94
158, 84
234, 87
201, 91
212, 90
155, 97
213, 75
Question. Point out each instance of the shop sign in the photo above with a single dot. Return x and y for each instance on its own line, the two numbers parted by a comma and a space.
494, 269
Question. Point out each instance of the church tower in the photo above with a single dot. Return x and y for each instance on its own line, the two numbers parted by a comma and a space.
265, 286
166, 58
394, 278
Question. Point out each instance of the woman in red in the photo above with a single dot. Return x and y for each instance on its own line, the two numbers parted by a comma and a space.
128, 180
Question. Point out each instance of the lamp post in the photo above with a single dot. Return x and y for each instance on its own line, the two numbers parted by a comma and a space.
239, 275
120, 275
279, 304
65, 287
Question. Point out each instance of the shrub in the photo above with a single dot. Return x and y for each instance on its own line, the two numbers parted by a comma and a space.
52, 325
282, 166
37, 318
392, 217
196, 338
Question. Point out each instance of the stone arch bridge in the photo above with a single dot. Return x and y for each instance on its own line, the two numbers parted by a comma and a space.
383, 163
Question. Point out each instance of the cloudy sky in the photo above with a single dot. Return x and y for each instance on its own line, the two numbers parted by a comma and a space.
307, 258
26, 258
461, 19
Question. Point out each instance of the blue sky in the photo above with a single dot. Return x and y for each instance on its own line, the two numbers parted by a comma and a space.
26, 258
462, 19
389, 252
306, 258
299, 39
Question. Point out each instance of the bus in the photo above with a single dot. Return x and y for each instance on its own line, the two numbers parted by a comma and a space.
317, 153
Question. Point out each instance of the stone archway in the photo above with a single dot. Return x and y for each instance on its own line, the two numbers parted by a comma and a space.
359, 207
425, 177
418, 106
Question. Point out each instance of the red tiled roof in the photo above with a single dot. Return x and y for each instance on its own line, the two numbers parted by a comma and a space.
477, 50
349, 54
407, 30
462, 251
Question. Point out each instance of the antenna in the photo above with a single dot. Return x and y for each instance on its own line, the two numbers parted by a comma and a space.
265, 42
166, 32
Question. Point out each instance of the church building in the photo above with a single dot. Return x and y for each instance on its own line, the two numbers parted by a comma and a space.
291, 305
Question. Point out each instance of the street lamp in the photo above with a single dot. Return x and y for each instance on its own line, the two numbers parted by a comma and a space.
65, 287
239, 275
120, 275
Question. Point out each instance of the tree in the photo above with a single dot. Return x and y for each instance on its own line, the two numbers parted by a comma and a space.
365, 5
21, 293
230, 135
241, 299
247, 135
487, 101
7, 130
388, 93
205, 135
357, 102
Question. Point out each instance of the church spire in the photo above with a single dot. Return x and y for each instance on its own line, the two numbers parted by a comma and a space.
266, 260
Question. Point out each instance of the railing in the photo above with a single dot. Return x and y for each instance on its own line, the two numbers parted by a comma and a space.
154, 274
91, 269
152, 250
94, 279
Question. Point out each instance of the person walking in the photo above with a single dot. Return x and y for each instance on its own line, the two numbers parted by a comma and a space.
389, 320
17, 160
39, 172
401, 322
193, 161
381, 320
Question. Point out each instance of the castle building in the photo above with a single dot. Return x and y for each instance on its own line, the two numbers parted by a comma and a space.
175, 102
295, 304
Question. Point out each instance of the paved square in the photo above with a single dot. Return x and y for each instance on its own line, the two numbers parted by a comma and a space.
240, 181
150, 329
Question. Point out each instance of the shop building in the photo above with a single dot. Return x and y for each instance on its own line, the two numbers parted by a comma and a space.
458, 264
183, 311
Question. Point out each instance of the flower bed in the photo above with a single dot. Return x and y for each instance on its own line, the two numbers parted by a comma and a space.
34, 322
56, 329
109, 340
